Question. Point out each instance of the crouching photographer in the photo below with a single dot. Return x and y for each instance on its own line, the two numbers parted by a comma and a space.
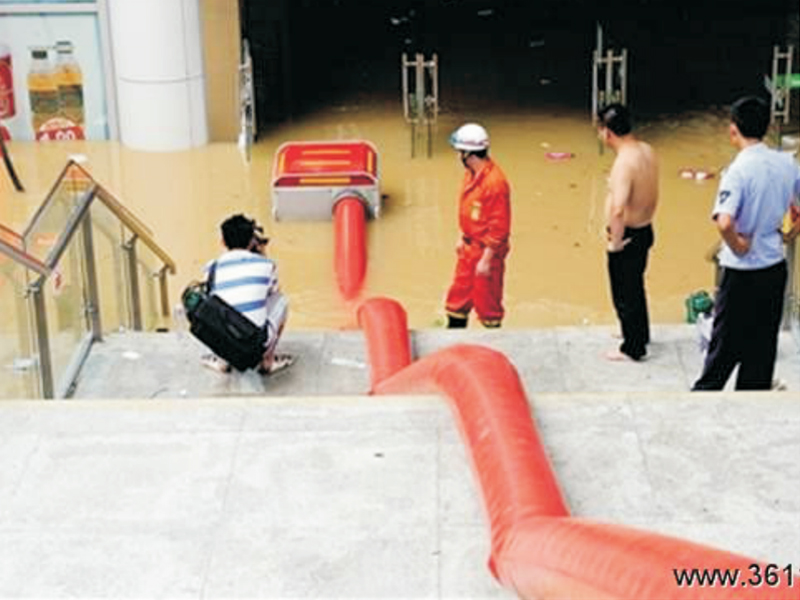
245, 280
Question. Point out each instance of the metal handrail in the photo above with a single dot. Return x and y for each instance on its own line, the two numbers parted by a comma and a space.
138, 229
123, 213
51, 195
79, 219
48, 199
73, 164
65, 237
8, 232
23, 258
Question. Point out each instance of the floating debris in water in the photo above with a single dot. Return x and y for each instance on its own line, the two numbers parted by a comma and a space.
696, 174
536, 43
486, 12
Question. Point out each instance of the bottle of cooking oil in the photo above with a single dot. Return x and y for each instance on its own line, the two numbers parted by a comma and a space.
70, 84
42, 88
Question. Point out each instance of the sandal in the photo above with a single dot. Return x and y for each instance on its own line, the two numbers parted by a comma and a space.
280, 362
215, 363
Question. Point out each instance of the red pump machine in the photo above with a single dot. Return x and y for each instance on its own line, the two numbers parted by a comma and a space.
324, 180
310, 177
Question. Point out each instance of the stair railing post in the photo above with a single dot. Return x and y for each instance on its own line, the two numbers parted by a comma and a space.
133, 283
42, 339
92, 289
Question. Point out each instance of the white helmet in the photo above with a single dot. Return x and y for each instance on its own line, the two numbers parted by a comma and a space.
470, 137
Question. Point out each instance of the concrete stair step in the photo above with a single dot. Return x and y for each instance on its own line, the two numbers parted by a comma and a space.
557, 360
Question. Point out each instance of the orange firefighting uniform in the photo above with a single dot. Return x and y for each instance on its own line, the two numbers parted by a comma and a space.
484, 217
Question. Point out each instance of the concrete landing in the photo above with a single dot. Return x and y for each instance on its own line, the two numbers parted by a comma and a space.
367, 497
558, 360
239, 486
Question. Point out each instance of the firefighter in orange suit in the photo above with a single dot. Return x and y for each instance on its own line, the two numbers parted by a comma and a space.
484, 217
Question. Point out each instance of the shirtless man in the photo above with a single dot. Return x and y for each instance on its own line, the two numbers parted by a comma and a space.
630, 205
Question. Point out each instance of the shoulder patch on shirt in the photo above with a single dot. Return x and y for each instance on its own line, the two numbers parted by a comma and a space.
724, 195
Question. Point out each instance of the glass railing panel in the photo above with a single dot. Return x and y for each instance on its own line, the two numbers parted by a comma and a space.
20, 374
83, 262
52, 217
108, 238
68, 326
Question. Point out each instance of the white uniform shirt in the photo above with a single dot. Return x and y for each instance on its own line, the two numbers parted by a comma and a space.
245, 280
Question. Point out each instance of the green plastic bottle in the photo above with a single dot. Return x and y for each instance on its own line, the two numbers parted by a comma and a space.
696, 304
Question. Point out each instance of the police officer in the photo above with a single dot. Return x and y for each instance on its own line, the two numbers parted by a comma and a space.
755, 193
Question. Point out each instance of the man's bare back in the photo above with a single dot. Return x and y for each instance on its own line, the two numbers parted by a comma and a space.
633, 184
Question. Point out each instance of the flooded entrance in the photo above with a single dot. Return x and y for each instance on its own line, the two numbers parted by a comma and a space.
522, 72
685, 54
556, 272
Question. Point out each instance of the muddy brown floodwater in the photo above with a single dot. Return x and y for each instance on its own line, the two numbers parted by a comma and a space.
556, 273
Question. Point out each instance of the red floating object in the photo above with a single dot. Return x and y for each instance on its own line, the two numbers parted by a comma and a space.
310, 177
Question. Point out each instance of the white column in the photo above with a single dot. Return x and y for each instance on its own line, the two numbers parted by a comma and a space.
158, 66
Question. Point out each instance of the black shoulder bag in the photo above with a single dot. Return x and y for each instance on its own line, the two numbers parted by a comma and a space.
227, 332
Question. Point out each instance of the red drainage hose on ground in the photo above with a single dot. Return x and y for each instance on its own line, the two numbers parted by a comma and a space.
386, 327
492, 413
548, 558
538, 550
349, 215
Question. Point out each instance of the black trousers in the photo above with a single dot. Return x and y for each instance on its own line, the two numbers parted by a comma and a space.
747, 318
626, 275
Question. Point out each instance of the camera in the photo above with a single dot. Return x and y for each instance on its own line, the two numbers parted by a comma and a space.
259, 240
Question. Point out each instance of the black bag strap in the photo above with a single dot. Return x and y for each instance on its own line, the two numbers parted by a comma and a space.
212, 275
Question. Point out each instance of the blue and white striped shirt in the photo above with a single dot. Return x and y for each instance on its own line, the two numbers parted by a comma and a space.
245, 280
